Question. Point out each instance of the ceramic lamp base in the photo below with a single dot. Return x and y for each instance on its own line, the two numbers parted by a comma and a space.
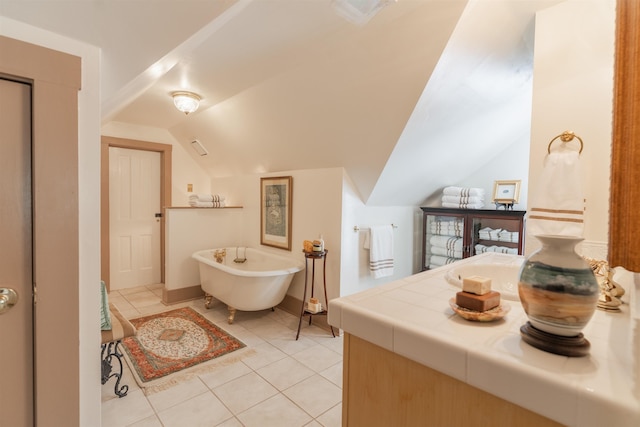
577, 346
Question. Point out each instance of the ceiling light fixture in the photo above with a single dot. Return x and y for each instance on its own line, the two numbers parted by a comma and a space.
187, 102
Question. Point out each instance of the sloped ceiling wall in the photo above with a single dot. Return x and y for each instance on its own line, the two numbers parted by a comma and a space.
291, 85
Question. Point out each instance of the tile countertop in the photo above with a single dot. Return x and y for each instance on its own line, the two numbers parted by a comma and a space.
411, 317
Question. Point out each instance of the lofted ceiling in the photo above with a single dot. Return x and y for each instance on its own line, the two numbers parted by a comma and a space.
290, 84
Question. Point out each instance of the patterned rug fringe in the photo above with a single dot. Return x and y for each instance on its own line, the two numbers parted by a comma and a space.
176, 378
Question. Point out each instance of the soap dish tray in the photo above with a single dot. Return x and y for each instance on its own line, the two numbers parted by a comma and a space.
480, 316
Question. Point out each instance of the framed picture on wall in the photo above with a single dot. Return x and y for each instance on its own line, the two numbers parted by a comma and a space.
275, 211
506, 192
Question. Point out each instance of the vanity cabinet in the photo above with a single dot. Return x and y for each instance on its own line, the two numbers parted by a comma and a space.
453, 234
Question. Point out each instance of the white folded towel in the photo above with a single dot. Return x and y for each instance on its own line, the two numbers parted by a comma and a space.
447, 242
463, 205
198, 204
557, 207
463, 199
206, 197
463, 191
381, 250
437, 250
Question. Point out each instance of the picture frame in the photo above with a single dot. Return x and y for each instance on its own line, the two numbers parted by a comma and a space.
276, 211
506, 192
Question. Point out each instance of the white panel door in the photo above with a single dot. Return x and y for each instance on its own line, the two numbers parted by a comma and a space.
16, 260
134, 201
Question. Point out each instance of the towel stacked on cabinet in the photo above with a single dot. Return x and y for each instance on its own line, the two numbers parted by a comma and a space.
206, 201
463, 197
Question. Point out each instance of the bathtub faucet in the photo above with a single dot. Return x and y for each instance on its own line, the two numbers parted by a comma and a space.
238, 259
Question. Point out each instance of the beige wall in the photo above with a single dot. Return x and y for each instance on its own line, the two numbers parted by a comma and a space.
573, 90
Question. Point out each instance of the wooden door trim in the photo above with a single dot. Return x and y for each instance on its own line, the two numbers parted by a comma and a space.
165, 195
624, 200
56, 79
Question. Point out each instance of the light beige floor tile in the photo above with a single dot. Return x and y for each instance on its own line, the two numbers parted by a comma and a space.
315, 395
277, 411
334, 374
204, 410
313, 423
336, 344
133, 290
317, 357
231, 422
331, 418
244, 392
142, 298
127, 410
224, 374
290, 345
264, 355
182, 391
285, 373
151, 421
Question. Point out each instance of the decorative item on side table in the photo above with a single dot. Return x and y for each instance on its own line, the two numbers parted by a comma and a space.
314, 307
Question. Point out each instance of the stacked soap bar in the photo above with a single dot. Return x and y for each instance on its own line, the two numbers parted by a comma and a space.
477, 295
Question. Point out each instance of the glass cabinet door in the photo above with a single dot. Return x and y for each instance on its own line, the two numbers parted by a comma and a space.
444, 240
495, 235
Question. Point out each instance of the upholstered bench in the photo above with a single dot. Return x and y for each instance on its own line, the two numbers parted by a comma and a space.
120, 328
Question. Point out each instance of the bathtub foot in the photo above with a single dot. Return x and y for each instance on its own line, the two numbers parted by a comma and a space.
208, 299
232, 314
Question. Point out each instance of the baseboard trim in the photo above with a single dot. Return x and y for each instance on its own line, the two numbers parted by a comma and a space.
173, 296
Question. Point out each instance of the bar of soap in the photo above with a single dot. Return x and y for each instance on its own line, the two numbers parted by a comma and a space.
478, 302
476, 285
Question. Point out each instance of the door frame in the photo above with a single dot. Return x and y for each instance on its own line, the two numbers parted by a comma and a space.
165, 195
55, 78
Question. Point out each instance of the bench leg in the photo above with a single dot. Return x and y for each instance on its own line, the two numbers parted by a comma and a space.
110, 351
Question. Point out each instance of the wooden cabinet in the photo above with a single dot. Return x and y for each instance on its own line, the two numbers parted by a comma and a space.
453, 234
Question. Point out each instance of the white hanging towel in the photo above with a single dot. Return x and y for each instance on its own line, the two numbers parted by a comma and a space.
380, 250
557, 207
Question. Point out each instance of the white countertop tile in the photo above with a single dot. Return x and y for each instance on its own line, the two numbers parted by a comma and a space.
412, 318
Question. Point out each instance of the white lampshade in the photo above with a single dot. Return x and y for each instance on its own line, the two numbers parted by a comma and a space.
187, 102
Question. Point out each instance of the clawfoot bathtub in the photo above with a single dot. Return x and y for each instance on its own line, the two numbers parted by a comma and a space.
245, 279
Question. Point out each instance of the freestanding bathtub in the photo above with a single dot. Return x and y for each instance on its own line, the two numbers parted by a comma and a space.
245, 279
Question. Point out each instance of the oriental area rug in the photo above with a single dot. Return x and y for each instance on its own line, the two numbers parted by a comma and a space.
174, 345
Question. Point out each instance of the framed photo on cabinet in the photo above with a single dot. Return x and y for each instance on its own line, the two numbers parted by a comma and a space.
506, 192
275, 211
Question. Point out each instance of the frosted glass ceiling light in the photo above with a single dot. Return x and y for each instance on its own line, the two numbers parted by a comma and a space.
187, 102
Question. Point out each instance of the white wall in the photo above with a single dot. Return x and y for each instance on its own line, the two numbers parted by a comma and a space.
184, 169
355, 275
89, 206
191, 230
573, 90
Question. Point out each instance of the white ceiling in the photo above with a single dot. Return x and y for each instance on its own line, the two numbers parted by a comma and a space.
289, 84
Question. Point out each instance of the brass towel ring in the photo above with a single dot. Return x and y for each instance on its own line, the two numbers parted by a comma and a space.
565, 137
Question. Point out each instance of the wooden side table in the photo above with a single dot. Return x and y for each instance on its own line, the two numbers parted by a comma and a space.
313, 256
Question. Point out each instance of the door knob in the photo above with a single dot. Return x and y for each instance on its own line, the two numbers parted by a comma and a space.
8, 298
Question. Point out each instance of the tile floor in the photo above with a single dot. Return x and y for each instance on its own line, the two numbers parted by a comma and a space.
279, 382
